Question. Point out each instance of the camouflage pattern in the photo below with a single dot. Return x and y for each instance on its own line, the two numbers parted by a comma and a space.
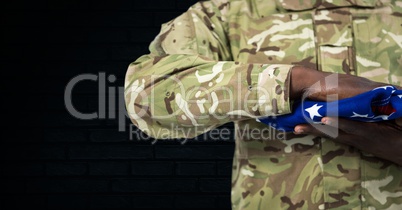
229, 60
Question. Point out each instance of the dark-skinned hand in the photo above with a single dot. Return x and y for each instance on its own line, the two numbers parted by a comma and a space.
382, 139
322, 86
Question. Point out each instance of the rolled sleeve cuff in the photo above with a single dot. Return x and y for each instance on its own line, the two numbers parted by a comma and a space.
273, 90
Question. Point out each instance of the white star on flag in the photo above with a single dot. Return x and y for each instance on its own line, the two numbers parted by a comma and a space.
383, 87
400, 96
383, 117
360, 115
313, 111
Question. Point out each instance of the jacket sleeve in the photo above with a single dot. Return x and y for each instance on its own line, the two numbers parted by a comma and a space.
189, 83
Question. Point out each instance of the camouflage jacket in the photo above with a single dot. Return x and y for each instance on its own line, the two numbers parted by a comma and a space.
229, 61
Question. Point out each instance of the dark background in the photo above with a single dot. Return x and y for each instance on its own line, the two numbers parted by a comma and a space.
49, 159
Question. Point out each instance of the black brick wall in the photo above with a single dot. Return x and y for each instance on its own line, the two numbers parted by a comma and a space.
50, 159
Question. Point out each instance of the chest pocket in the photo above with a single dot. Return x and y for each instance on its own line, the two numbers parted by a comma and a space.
278, 39
378, 45
332, 20
333, 30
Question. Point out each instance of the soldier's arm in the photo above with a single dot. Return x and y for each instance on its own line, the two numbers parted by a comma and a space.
189, 83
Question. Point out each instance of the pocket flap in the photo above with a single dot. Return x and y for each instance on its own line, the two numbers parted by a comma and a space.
299, 5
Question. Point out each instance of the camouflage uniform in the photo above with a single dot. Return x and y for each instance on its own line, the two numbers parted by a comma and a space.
229, 60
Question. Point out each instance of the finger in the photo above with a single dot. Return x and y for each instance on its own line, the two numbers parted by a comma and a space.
398, 121
317, 129
332, 133
348, 126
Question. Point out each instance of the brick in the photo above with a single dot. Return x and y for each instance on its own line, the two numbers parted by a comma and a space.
70, 4
76, 52
137, 135
150, 168
34, 53
224, 202
102, 19
195, 168
108, 135
68, 34
64, 119
70, 18
65, 135
9, 68
164, 17
113, 93
67, 202
11, 52
22, 202
122, 123
33, 85
112, 5
190, 202
66, 169
154, 185
23, 5
115, 68
110, 151
194, 152
153, 201
34, 152
35, 119
144, 35
155, 4
108, 35
225, 168
67, 186
24, 18
109, 168
215, 185
12, 186
93, 105
128, 52
18, 35
184, 5
120, 79
79, 86
23, 169
66, 70
111, 201
30, 135
58, 87
29, 103
19, 119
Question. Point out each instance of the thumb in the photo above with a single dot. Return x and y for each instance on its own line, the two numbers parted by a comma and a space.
398, 121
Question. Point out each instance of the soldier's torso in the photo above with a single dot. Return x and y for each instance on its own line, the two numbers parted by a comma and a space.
308, 172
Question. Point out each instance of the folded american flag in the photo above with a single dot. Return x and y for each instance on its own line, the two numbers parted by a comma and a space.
382, 103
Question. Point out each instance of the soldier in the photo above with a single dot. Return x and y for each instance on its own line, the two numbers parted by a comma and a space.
239, 60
